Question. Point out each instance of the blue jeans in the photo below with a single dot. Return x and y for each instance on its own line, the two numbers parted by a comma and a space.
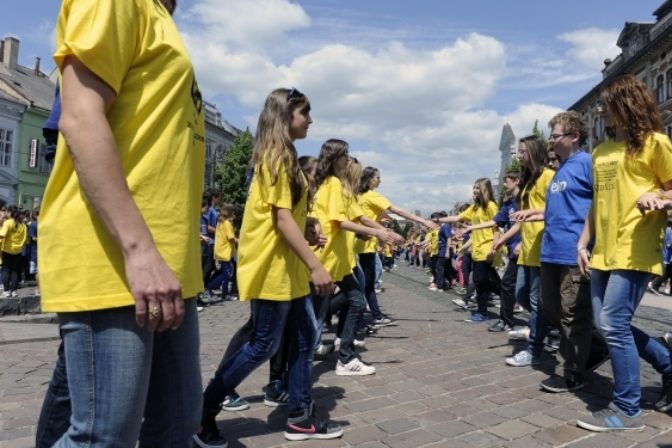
54, 418
127, 383
269, 319
527, 295
221, 277
368, 264
616, 295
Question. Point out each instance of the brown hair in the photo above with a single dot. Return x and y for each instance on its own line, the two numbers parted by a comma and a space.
332, 150
226, 211
486, 195
630, 106
571, 121
536, 150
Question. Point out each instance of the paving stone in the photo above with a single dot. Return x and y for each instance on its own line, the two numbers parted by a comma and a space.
601, 440
397, 425
481, 439
512, 429
484, 419
561, 435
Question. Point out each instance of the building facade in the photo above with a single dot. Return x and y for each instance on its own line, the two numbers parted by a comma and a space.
646, 52
219, 136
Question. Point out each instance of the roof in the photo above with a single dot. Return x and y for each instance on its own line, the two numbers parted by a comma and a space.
22, 83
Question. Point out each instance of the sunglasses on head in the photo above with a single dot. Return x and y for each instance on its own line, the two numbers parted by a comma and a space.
294, 94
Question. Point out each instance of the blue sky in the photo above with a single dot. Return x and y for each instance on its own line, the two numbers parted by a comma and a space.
418, 88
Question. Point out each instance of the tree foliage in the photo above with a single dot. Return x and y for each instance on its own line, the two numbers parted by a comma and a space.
231, 174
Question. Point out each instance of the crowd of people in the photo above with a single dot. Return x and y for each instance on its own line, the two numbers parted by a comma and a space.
123, 271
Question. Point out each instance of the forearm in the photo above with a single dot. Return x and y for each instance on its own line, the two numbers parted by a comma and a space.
535, 217
483, 225
358, 228
588, 231
289, 229
368, 222
410, 216
509, 233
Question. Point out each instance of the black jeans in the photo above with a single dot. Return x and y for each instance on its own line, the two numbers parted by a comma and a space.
484, 277
11, 270
507, 294
368, 264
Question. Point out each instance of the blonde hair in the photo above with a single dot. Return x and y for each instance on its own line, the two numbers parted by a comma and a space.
273, 145
486, 195
352, 177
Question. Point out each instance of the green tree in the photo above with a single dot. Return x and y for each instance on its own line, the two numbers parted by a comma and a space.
231, 174
536, 131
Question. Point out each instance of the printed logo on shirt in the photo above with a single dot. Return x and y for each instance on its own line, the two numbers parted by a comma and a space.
557, 187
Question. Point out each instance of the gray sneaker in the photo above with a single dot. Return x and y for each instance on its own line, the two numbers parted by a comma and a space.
522, 359
611, 419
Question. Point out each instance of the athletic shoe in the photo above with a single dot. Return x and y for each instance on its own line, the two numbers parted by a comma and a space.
558, 384
379, 290
208, 435
460, 302
477, 318
324, 349
651, 289
667, 337
354, 368
499, 326
518, 309
234, 403
275, 394
15, 293
432, 287
664, 402
6, 295
520, 334
611, 419
307, 426
522, 359
358, 343
383, 322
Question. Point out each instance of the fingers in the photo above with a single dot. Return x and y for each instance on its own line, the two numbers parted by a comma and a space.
141, 313
153, 313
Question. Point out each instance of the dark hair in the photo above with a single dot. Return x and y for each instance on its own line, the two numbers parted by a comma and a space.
307, 164
368, 174
537, 153
332, 150
513, 175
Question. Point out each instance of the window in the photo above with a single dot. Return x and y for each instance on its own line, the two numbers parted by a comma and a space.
669, 84
660, 89
6, 146
596, 128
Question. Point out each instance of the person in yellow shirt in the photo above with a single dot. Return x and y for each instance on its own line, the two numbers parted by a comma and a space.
483, 209
329, 207
225, 247
432, 247
374, 205
632, 178
535, 179
275, 267
126, 146
13, 236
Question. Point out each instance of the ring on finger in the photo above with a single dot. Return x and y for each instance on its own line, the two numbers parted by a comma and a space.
155, 311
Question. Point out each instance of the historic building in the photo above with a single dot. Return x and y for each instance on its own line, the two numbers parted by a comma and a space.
219, 135
646, 52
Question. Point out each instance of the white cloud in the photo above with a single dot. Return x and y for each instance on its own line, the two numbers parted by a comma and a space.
591, 46
417, 114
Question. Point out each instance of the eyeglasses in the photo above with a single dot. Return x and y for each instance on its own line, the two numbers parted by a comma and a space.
554, 137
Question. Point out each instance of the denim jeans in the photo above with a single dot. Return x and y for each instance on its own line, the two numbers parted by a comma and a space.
527, 295
368, 264
127, 383
54, 418
507, 292
616, 295
379, 269
221, 277
269, 320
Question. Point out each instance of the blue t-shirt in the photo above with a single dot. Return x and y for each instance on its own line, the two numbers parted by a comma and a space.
32, 240
55, 114
445, 232
568, 199
503, 219
212, 217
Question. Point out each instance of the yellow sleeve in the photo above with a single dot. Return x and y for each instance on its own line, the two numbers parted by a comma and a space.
379, 201
278, 194
336, 209
102, 35
354, 210
661, 159
228, 230
467, 215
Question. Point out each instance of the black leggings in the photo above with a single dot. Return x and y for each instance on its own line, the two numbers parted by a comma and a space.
11, 270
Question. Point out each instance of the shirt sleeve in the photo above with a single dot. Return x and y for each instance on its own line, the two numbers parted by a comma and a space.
661, 159
336, 210
102, 35
354, 210
467, 215
502, 217
379, 202
228, 230
278, 194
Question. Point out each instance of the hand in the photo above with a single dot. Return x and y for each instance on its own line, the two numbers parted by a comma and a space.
583, 260
496, 246
430, 224
313, 233
384, 236
650, 200
519, 216
322, 282
516, 250
156, 290
398, 239
491, 256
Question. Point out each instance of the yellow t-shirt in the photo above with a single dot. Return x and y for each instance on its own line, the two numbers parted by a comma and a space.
157, 123
373, 205
624, 238
481, 239
433, 237
224, 248
387, 250
268, 268
533, 231
329, 207
14, 235
354, 213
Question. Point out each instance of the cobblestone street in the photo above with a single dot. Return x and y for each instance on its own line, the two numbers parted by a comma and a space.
440, 382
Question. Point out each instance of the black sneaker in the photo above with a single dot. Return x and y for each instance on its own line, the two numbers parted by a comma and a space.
664, 402
557, 384
208, 435
499, 326
275, 394
307, 426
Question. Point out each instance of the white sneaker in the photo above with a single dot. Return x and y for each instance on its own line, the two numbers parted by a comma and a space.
323, 349
15, 293
354, 368
432, 287
667, 337
358, 343
6, 295
520, 334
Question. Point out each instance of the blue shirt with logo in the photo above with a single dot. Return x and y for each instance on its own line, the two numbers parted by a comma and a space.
568, 200
503, 220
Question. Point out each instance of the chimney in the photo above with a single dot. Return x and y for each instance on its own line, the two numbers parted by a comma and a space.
37, 66
10, 53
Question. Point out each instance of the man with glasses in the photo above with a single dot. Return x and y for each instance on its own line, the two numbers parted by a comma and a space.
565, 293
